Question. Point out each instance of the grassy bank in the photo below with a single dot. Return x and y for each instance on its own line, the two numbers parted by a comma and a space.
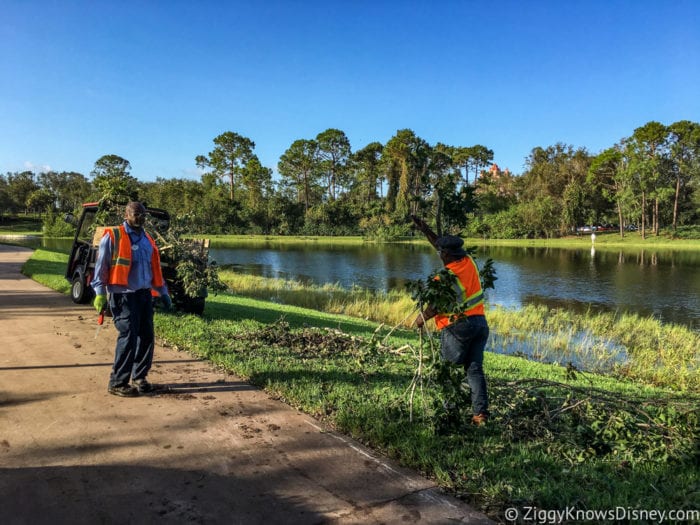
655, 352
48, 268
391, 308
631, 241
20, 225
558, 438
224, 241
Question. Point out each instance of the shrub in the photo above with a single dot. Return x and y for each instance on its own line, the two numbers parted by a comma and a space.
53, 225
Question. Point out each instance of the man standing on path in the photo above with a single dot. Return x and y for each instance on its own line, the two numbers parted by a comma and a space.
463, 337
128, 268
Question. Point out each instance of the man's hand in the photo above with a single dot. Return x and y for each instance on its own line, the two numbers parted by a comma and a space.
100, 303
423, 317
418, 222
423, 227
167, 302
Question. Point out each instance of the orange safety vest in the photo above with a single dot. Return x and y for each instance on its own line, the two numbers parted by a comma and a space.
468, 288
121, 258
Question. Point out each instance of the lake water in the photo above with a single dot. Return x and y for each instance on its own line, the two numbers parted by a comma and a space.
661, 283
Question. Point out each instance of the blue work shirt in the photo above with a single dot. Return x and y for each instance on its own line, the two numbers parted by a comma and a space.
140, 274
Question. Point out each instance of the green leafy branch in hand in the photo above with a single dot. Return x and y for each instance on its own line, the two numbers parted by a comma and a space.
487, 273
451, 402
438, 290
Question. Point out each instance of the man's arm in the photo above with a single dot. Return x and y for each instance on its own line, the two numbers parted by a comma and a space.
104, 260
423, 227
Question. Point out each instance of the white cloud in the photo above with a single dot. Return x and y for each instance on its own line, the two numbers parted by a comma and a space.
30, 166
192, 173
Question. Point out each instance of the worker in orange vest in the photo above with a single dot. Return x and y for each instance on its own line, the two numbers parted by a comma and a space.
462, 337
128, 268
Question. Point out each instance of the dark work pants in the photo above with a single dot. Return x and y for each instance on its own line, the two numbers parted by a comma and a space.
463, 343
133, 317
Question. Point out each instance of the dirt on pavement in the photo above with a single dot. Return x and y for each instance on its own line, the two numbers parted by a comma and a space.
205, 448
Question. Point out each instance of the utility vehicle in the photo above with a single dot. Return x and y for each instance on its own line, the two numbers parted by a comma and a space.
83, 254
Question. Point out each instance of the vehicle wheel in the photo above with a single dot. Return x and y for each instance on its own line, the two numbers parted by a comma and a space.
80, 292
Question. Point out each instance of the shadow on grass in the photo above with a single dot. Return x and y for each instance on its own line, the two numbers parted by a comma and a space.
297, 317
376, 379
33, 266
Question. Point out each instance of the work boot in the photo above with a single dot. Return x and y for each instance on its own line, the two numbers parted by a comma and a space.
123, 391
480, 419
143, 386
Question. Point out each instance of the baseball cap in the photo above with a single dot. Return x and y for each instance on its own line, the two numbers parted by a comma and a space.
451, 245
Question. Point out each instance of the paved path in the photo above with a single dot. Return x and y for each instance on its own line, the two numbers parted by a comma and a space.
212, 449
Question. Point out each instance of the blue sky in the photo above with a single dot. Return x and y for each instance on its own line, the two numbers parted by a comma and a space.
156, 81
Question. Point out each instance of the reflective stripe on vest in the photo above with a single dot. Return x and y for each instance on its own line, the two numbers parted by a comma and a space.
462, 299
121, 258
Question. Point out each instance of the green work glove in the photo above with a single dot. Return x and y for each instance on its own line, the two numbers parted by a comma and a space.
100, 303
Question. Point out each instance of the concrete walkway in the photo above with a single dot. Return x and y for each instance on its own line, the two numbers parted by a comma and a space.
209, 449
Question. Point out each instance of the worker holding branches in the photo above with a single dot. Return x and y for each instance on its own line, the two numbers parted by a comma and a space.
463, 335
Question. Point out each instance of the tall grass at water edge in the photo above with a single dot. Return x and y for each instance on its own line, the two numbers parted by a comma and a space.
641, 347
620, 344
392, 308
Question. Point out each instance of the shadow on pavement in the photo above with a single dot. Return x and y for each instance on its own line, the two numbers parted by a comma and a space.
84, 365
200, 388
144, 495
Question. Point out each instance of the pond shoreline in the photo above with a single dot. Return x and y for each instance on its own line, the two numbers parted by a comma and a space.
652, 282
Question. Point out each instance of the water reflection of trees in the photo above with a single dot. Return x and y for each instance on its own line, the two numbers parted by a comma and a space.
640, 257
648, 282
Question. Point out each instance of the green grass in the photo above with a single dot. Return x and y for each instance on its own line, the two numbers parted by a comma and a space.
9, 233
595, 454
48, 268
391, 308
20, 226
664, 354
557, 438
660, 353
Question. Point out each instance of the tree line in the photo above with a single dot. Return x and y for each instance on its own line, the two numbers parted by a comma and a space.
650, 179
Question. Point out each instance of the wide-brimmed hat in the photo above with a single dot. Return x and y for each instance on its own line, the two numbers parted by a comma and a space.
451, 245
